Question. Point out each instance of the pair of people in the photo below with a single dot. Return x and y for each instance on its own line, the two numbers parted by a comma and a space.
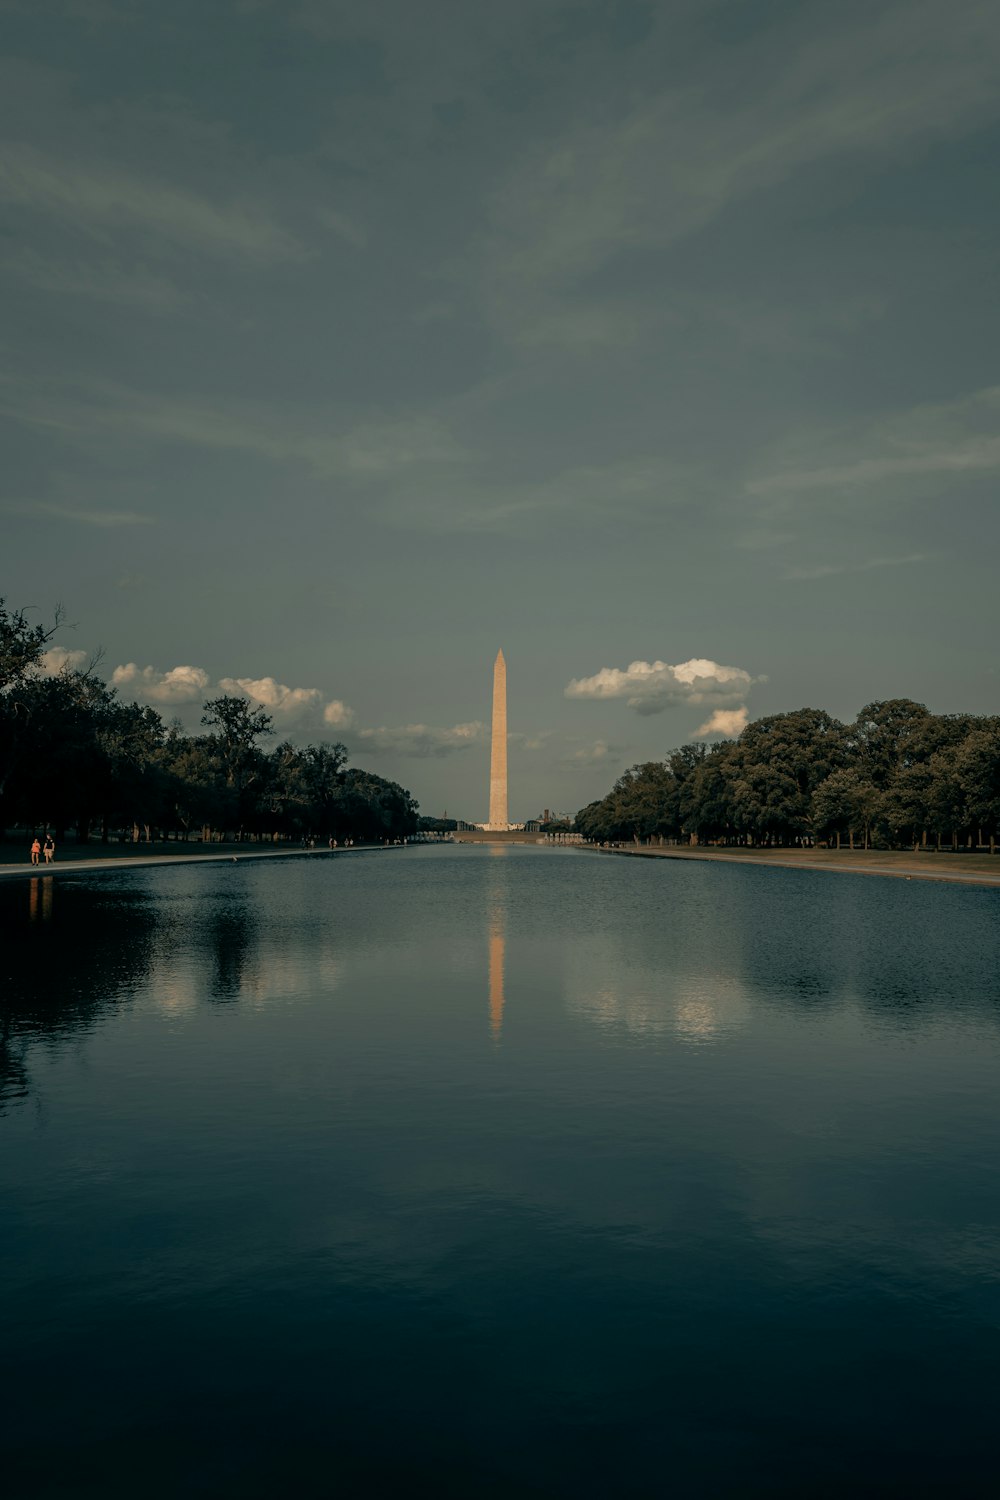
48, 849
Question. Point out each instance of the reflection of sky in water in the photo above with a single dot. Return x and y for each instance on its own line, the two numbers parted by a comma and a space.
696, 1008
739, 1138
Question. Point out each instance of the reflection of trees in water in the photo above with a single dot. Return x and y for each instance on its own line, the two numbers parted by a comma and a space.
692, 951
71, 954
230, 935
906, 953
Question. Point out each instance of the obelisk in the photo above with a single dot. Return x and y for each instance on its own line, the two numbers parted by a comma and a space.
498, 748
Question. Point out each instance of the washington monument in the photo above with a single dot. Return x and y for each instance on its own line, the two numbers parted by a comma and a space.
498, 751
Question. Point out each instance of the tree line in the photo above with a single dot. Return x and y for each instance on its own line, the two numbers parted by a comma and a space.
75, 755
897, 777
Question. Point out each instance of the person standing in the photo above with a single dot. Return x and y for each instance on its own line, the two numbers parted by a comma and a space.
49, 849
36, 850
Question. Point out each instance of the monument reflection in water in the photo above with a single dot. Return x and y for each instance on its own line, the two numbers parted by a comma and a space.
497, 924
40, 897
499, 1171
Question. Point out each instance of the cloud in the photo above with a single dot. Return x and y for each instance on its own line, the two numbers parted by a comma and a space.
422, 467
652, 687
178, 685
102, 280
830, 570
728, 722
658, 163
57, 659
600, 753
289, 704
100, 197
925, 444
377, 451
538, 740
282, 701
102, 518
344, 227
337, 714
421, 741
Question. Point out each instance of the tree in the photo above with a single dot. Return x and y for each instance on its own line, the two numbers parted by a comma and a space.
369, 807
21, 648
238, 726
21, 645
977, 770
847, 802
774, 768
704, 801
880, 735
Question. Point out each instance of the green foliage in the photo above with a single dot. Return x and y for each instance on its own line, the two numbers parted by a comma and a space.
897, 775
73, 755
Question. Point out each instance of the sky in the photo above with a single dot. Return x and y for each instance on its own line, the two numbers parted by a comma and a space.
653, 341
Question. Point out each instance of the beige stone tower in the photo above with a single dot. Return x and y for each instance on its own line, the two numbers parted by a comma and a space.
498, 751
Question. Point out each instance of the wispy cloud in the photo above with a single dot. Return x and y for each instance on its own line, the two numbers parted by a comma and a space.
927, 443
831, 570
421, 467
599, 753
45, 509
421, 741
344, 227
374, 450
654, 171
98, 198
101, 280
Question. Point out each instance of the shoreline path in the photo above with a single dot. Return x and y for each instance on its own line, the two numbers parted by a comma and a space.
233, 854
873, 862
930, 866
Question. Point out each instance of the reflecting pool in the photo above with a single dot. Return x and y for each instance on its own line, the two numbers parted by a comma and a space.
498, 1171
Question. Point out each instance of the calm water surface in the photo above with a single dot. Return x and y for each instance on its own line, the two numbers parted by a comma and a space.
501, 1172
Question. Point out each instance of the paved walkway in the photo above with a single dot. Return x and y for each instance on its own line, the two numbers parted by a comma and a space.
914, 870
114, 862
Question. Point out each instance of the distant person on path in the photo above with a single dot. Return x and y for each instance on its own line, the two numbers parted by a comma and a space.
36, 850
49, 849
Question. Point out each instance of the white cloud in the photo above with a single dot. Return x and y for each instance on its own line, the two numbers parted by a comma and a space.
651, 687
337, 714
289, 705
57, 659
284, 702
422, 741
728, 722
178, 685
